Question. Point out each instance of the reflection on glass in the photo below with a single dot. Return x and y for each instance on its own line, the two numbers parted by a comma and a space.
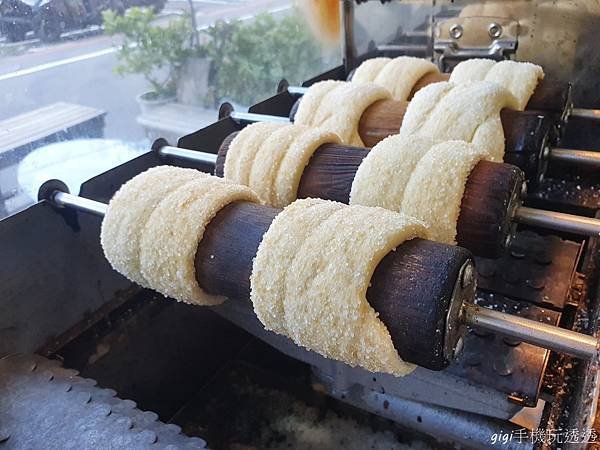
153, 68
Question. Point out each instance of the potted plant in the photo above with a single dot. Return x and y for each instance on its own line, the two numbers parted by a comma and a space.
159, 52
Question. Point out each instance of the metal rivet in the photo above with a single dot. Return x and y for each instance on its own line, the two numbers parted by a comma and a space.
456, 31
495, 30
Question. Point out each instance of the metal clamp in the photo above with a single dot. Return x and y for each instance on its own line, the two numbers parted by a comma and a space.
461, 38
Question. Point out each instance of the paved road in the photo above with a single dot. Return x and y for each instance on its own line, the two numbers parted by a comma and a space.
81, 71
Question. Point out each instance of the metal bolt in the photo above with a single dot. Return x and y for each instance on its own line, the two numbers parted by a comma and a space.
456, 31
494, 30
467, 276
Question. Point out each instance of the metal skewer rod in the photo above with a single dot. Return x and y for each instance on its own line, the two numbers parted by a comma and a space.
66, 200
536, 333
584, 226
189, 155
252, 117
585, 113
568, 223
574, 156
298, 90
567, 155
583, 157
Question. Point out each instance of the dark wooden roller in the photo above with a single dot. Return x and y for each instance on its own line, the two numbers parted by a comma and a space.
411, 288
484, 223
384, 118
549, 95
485, 220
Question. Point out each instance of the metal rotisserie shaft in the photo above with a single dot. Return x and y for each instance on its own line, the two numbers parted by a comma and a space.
456, 313
492, 195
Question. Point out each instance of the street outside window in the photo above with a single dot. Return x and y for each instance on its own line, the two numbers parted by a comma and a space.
86, 85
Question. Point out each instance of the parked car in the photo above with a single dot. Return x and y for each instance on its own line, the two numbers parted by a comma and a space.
49, 18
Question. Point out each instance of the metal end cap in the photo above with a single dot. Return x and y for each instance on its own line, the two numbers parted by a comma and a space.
225, 110
158, 144
49, 187
282, 86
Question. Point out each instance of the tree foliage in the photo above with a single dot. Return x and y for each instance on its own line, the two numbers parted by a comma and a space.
247, 58
158, 52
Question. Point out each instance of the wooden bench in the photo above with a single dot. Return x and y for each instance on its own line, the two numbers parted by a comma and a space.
21, 134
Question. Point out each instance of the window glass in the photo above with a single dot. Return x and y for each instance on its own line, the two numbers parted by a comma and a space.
88, 84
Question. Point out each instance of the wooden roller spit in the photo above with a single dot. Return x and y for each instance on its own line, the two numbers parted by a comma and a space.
384, 118
421, 283
485, 220
423, 291
412, 285
549, 95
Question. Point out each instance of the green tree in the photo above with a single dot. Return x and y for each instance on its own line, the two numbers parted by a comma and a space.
158, 52
249, 58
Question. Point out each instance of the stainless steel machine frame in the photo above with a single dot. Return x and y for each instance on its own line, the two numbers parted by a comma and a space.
56, 283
